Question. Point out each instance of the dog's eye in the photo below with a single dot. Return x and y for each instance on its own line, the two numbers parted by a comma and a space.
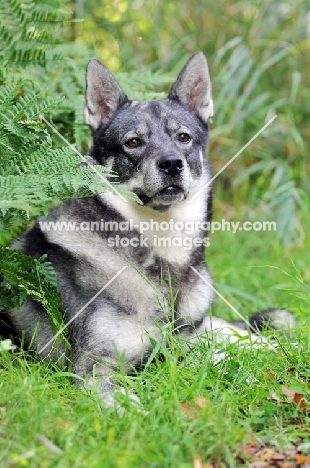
133, 142
184, 137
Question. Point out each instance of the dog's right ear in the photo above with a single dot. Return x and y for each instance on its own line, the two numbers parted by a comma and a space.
103, 95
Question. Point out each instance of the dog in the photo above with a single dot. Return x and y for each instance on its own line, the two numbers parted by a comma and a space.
115, 282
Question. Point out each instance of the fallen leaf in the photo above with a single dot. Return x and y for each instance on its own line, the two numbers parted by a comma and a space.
298, 399
259, 464
291, 371
193, 412
274, 397
266, 454
288, 392
187, 410
278, 457
249, 449
201, 402
300, 458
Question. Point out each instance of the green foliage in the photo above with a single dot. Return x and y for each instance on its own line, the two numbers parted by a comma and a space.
144, 85
28, 277
33, 173
274, 173
29, 29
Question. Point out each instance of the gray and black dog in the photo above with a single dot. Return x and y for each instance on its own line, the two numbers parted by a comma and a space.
115, 283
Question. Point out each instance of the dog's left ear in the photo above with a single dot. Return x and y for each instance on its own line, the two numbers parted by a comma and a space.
193, 87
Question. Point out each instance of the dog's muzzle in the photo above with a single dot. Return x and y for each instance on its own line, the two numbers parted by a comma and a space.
167, 183
165, 197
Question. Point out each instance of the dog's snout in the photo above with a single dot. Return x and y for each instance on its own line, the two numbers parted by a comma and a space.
170, 165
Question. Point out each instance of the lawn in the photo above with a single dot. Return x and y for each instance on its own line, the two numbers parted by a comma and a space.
214, 407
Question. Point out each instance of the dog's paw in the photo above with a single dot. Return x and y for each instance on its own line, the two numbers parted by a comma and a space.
121, 404
132, 399
113, 396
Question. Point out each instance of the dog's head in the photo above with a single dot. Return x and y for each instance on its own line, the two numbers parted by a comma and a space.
156, 147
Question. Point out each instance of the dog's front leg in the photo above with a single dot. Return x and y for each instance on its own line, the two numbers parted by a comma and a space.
97, 377
102, 384
107, 389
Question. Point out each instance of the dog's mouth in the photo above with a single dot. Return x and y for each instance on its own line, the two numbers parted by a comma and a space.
171, 190
166, 196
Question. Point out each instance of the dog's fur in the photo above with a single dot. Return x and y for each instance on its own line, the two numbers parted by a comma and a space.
158, 150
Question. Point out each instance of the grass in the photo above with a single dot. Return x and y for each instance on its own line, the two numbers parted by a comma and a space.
242, 394
253, 270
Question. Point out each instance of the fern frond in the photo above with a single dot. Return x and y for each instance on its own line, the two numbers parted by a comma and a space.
27, 29
10, 91
29, 106
28, 277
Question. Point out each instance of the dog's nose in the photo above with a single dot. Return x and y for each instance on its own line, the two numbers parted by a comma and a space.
170, 165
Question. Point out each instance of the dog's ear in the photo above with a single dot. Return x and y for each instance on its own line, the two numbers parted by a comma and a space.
193, 87
103, 95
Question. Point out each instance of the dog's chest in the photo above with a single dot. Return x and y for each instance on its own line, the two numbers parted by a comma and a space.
130, 286
133, 280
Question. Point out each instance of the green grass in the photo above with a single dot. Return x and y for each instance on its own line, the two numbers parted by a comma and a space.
252, 271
